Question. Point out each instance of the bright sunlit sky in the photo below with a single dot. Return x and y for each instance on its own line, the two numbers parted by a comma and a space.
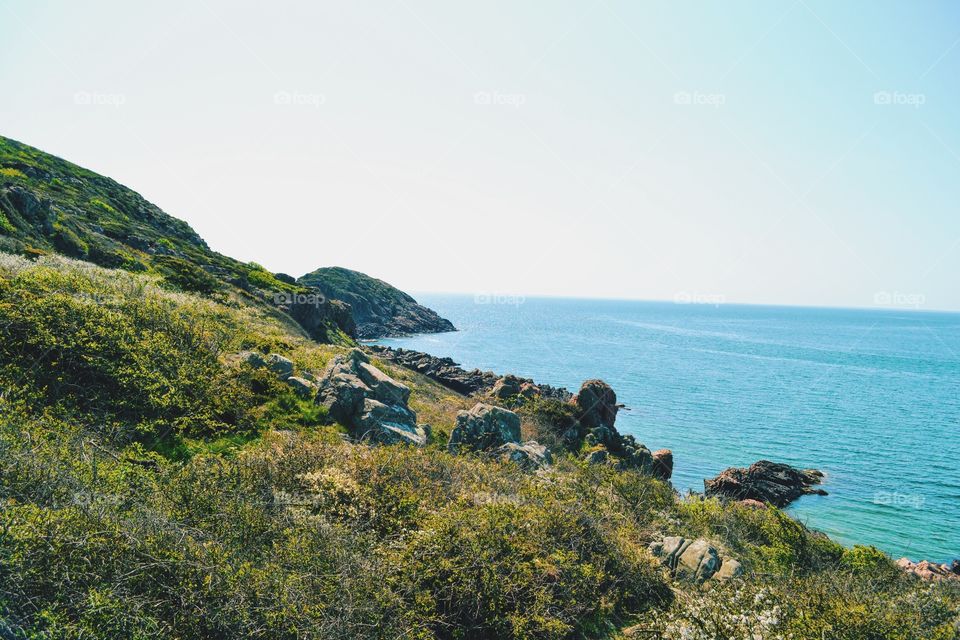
774, 152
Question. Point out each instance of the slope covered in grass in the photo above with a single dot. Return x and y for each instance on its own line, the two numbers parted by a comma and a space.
154, 486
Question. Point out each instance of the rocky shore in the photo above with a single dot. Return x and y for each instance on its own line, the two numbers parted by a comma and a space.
451, 375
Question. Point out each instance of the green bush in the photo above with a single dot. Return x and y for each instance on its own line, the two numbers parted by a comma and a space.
68, 242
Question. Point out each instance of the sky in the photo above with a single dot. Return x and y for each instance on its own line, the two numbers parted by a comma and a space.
789, 152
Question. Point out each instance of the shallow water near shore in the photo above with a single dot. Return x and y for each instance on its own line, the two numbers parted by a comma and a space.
871, 398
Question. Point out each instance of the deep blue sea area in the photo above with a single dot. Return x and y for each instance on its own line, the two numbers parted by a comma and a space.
870, 397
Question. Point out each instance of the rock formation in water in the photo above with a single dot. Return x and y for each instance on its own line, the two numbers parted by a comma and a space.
771, 482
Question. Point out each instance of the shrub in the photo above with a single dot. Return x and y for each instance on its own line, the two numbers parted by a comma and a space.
68, 242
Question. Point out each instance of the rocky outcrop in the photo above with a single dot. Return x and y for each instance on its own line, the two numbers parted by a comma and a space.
770, 482
316, 313
442, 370
529, 455
597, 405
694, 560
302, 387
662, 464
930, 571
378, 309
484, 428
369, 402
496, 431
596, 409
474, 382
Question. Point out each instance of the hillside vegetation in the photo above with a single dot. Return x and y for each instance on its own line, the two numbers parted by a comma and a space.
155, 484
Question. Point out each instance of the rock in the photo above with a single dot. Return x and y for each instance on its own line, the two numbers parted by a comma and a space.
600, 456
694, 560
377, 308
303, 387
369, 402
729, 569
483, 428
530, 390
506, 387
596, 403
697, 562
633, 455
753, 504
929, 571
281, 366
252, 358
388, 424
529, 455
451, 375
316, 313
663, 464
777, 484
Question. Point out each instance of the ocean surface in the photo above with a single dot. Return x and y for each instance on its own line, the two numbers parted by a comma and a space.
871, 398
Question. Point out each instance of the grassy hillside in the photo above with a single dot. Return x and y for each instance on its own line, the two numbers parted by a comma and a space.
49, 205
154, 486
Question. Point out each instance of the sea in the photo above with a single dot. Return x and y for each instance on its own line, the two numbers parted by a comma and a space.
869, 397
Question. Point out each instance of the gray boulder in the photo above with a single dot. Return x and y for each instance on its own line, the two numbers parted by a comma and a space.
529, 455
369, 402
729, 569
693, 560
484, 428
252, 358
281, 366
303, 387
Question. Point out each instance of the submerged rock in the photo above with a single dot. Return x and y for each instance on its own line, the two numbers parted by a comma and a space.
369, 402
484, 428
772, 482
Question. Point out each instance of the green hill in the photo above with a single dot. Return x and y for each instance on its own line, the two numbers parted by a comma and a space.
48, 205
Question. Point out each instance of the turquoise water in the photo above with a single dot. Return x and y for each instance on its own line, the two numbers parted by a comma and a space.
872, 398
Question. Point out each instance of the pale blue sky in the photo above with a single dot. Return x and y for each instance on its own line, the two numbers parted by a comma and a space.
713, 150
